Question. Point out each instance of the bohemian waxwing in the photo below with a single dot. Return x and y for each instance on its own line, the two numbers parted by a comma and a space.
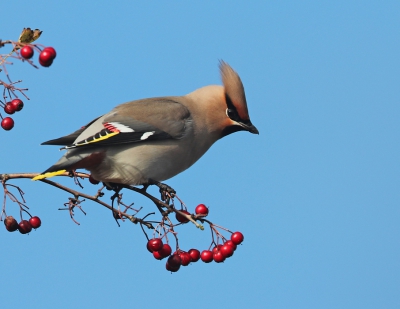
151, 140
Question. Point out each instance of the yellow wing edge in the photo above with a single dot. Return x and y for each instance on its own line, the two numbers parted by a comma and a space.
95, 140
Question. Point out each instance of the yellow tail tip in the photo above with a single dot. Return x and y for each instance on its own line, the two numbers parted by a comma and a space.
48, 175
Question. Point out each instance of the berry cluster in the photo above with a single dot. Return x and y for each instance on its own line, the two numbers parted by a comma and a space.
46, 56
179, 258
159, 245
10, 108
24, 226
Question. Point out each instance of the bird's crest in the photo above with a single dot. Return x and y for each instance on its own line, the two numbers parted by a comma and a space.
234, 90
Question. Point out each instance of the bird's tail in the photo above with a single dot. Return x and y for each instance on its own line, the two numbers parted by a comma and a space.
48, 174
68, 162
72, 160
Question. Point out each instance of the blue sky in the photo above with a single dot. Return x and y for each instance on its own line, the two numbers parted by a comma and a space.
316, 194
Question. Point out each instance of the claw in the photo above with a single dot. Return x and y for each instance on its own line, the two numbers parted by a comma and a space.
165, 190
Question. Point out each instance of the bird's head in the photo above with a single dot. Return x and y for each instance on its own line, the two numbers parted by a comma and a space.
236, 111
221, 110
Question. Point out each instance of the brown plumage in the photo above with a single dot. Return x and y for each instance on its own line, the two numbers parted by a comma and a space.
155, 139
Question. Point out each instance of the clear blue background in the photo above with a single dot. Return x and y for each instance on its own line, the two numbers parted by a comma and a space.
316, 194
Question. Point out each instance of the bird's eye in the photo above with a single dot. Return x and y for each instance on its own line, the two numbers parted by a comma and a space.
231, 113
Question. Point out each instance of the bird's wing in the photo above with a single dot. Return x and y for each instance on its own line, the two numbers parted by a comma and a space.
137, 121
70, 138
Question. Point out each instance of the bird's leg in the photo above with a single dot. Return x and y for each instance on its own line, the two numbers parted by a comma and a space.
145, 186
162, 186
165, 190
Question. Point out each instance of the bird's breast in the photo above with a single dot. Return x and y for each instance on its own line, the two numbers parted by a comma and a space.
158, 161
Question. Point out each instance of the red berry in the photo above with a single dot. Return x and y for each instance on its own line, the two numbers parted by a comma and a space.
45, 64
24, 227
46, 58
51, 50
93, 181
216, 248
206, 256
181, 218
7, 123
165, 250
9, 108
35, 222
237, 238
185, 258
227, 250
148, 246
163, 253
172, 268
11, 224
17, 104
194, 255
26, 52
201, 209
157, 255
155, 244
174, 260
218, 257
231, 243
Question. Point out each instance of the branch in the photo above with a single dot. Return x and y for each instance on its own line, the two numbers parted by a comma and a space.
160, 203
76, 194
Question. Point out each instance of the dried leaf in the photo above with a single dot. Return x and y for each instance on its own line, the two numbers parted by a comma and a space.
36, 34
28, 35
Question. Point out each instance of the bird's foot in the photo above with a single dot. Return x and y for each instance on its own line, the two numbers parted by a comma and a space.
166, 191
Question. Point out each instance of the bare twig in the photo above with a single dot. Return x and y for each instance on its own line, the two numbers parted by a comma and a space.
76, 194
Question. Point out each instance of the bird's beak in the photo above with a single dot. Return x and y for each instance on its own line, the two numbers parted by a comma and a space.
248, 126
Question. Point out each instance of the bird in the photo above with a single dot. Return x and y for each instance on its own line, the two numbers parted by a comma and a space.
150, 140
